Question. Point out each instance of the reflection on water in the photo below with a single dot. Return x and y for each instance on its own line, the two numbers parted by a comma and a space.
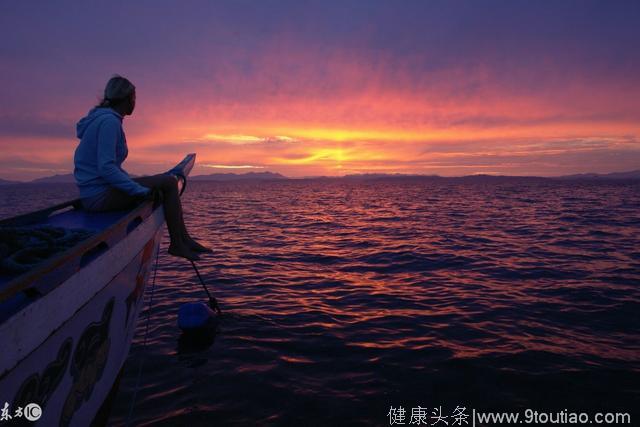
341, 299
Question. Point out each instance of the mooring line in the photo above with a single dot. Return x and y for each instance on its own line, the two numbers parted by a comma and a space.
213, 302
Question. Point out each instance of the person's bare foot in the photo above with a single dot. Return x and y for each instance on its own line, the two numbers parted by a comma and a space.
197, 247
183, 252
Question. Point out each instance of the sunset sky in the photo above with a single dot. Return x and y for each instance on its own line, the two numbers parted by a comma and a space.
329, 87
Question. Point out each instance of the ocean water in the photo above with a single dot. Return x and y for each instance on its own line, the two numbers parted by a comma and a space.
342, 300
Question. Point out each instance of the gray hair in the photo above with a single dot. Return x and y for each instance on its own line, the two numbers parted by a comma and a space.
117, 90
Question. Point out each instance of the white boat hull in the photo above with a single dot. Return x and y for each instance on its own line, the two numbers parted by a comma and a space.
67, 362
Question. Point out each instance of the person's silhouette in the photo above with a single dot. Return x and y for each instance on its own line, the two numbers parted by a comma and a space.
105, 186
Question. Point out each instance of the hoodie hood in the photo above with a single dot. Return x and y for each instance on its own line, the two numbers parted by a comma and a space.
93, 115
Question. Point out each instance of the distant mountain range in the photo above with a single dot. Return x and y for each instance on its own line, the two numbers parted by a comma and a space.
262, 176
631, 175
7, 182
268, 176
55, 179
616, 175
366, 176
68, 178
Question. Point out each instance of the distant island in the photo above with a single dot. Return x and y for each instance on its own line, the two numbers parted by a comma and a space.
7, 182
55, 179
272, 176
631, 175
262, 176
616, 175
69, 178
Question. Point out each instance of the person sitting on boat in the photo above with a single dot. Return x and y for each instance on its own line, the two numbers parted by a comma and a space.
105, 186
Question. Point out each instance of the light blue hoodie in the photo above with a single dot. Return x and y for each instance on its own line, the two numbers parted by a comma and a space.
99, 156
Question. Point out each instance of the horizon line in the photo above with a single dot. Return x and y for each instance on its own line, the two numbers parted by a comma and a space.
364, 174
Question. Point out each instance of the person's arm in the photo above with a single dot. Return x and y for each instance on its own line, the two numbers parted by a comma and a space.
108, 135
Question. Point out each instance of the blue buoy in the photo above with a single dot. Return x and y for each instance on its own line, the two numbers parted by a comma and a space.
194, 316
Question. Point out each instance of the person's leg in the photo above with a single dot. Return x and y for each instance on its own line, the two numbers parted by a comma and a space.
191, 242
180, 240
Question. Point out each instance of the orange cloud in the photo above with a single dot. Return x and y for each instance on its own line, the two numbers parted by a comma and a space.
301, 114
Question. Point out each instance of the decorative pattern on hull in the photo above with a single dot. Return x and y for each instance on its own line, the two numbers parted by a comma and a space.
38, 388
87, 365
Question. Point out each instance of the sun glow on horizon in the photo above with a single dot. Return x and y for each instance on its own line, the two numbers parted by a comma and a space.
384, 93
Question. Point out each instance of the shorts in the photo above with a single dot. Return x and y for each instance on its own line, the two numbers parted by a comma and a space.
110, 200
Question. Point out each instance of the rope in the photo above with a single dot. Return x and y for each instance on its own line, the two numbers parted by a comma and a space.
144, 343
213, 302
23, 248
